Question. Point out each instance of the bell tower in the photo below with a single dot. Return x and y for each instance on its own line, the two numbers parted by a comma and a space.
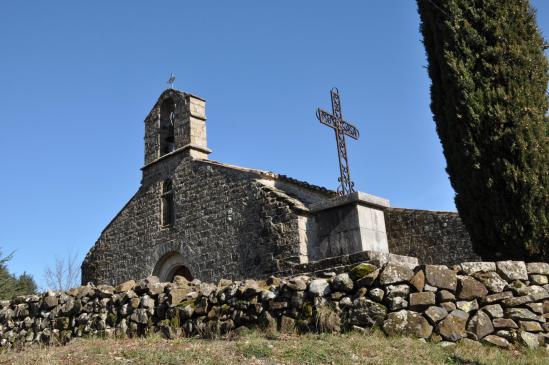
176, 124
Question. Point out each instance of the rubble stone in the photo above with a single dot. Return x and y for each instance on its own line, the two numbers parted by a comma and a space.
440, 277
407, 323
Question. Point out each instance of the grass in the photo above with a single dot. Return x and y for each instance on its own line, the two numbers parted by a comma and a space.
259, 348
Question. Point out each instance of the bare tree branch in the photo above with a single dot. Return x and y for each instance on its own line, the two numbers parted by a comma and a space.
64, 274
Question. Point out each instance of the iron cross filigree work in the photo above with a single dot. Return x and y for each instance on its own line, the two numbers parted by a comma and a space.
342, 129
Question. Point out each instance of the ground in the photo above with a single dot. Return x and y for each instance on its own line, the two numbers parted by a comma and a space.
258, 348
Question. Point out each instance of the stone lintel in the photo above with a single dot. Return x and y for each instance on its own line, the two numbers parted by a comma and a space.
358, 198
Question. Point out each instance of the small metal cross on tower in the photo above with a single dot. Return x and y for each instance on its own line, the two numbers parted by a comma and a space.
171, 80
342, 129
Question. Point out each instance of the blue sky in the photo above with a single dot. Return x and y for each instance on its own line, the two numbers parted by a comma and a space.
78, 78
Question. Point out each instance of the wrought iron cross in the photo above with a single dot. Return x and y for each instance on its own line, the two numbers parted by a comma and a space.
342, 129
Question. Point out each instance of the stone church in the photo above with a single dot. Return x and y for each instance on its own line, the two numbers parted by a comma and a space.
203, 219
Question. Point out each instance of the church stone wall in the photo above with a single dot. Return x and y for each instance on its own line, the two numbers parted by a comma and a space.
432, 237
226, 225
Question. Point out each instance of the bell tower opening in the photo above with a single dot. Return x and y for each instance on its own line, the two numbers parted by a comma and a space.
167, 130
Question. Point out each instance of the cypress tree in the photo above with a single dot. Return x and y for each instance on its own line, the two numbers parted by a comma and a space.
489, 78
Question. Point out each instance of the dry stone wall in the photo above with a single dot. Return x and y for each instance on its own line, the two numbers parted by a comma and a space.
499, 303
433, 237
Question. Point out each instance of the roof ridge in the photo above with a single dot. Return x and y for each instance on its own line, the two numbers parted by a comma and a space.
272, 175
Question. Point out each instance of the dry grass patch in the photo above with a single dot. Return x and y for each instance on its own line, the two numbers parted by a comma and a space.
258, 348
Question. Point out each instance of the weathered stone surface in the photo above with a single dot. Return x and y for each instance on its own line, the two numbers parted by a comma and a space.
319, 287
449, 306
440, 277
298, 283
452, 328
177, 294
394, 273
125, 286
500, 323
399, 290
467, 306
470, 268
396, 303
537, 268
530, 340
435, 314
368, 279
418, 280
376, 294
480, 324
419, 301
367, 313
512, 270
530, 326
522, 314
538, 279
287, 324
516, 301
50, 301
430, 288
407, 323
496, 341
445, 296
361, 270
342, 282
493, 310
536, 307
470, 288
493, 282
498, 297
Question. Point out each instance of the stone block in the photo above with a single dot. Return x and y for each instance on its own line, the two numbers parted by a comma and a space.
537, 268
493, 282
530, 326
481, 325
470, 268
470, 288
512, 270
467, 306
394, 273
452, 328
496, 341
440, 277
407, 323
421, 300
435, 314
418, 280
493, 310
500, 323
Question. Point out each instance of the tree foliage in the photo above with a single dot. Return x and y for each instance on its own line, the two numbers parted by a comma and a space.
489, 78
11, 285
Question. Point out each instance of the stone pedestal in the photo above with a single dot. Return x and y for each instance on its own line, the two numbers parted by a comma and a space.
348, 224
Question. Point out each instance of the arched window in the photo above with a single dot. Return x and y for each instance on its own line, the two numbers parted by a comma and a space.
166, 134
168, 211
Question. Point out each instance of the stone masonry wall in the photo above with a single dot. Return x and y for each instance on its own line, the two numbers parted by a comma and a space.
226, 225
501, 304
432, 237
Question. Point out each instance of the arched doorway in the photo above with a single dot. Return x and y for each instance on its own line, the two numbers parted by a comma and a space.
170, 265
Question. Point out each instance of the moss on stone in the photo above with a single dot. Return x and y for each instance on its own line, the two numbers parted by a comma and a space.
361, 270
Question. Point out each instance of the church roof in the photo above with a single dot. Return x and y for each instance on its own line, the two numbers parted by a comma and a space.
275, 176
